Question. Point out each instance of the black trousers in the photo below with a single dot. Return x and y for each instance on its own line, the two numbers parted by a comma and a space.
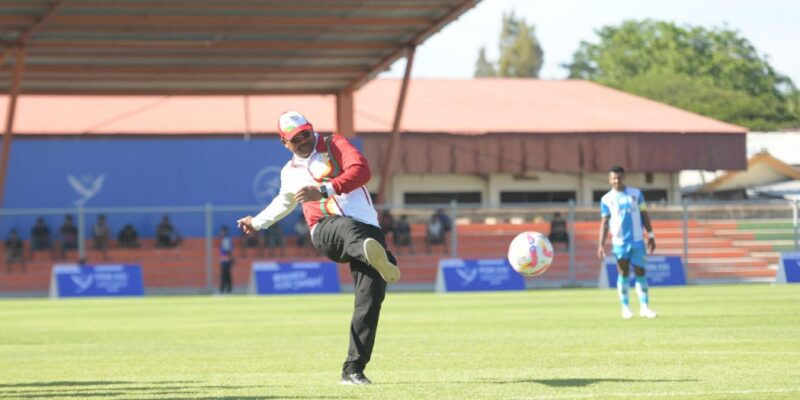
225, 277
342, 240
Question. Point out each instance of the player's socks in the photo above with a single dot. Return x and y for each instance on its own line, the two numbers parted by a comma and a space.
642, 291
622, 290
644, 299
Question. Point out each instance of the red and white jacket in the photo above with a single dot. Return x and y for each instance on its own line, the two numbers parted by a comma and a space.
343, 172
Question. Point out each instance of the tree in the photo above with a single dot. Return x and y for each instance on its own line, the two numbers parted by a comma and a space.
714, 72
521, 55
483, 68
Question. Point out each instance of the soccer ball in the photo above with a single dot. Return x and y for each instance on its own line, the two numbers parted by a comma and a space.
530, 253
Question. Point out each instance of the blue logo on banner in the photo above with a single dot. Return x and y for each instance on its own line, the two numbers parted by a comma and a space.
661, 271
72, 280
295, 278
457, 275
789, 270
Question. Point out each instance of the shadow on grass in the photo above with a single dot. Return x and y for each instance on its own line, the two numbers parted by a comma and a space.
175, 390
583, 382
574, 382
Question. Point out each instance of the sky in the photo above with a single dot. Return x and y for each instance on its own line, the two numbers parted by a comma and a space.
772, 26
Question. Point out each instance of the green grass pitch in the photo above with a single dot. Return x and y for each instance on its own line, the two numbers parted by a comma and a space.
712, 342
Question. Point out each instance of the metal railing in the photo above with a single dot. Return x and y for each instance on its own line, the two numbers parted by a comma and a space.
758, 229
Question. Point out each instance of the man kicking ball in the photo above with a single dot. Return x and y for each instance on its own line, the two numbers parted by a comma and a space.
328, 177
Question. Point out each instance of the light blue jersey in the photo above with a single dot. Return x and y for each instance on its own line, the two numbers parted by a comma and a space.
624, 210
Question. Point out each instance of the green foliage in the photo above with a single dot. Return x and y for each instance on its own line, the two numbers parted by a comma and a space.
714, 72
484, 68
521, 55
761, 112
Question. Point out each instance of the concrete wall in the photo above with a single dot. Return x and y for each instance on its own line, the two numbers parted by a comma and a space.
491, 186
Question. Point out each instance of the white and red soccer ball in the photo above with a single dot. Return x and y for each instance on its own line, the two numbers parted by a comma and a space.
530, 253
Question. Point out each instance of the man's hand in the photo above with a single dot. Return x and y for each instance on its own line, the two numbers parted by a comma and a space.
601, 252
651, 245
246, 225
308, 193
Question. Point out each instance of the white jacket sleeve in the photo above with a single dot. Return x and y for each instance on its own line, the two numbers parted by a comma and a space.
281, 206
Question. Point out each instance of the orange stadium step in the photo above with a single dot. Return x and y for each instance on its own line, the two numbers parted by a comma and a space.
747, 262
706, 242
734, 234
772, 257
730, 252
718, 224
727, 273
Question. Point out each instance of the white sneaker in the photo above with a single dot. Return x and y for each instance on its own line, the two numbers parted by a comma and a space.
647, 313
627, 313
376, 257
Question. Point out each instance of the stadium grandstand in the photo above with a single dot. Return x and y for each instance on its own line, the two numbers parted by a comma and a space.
508, 169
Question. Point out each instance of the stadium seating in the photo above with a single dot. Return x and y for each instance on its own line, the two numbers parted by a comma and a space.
718, 251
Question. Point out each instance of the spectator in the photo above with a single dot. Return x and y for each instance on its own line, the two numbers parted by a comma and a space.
447, 225
386, 222
273, 238
128, 237
15, 251
40, 237
435, 235
402, 234
101, 234
558, 230
225, 261
69, 236
303, 235
166, 235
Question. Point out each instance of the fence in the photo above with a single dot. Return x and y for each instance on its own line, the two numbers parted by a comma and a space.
717, 241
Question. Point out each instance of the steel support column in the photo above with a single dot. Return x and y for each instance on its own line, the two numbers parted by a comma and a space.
389, 156
344, 113
16, 80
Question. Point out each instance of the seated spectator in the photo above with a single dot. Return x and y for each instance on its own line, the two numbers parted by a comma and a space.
387, 223
273, 238
15, 251
435, 233
166, 235
447, 225
128, 238
40, 237
303, 235
101, 234
402, 234
69, 236
558, 230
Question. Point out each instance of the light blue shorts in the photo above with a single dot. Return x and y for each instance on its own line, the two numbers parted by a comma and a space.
633, 252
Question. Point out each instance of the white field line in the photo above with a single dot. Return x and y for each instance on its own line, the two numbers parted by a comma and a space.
669, 394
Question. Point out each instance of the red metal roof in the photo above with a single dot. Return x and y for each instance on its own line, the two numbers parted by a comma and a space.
469, 107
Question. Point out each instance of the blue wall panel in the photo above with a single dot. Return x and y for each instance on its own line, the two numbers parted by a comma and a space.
135, 172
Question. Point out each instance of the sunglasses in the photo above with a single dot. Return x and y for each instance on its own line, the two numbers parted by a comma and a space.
301, 137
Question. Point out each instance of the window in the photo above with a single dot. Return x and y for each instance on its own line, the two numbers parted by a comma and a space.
655, 195
536, 197
648, 178
410, 198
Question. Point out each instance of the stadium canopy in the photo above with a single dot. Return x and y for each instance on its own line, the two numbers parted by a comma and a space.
209, 47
